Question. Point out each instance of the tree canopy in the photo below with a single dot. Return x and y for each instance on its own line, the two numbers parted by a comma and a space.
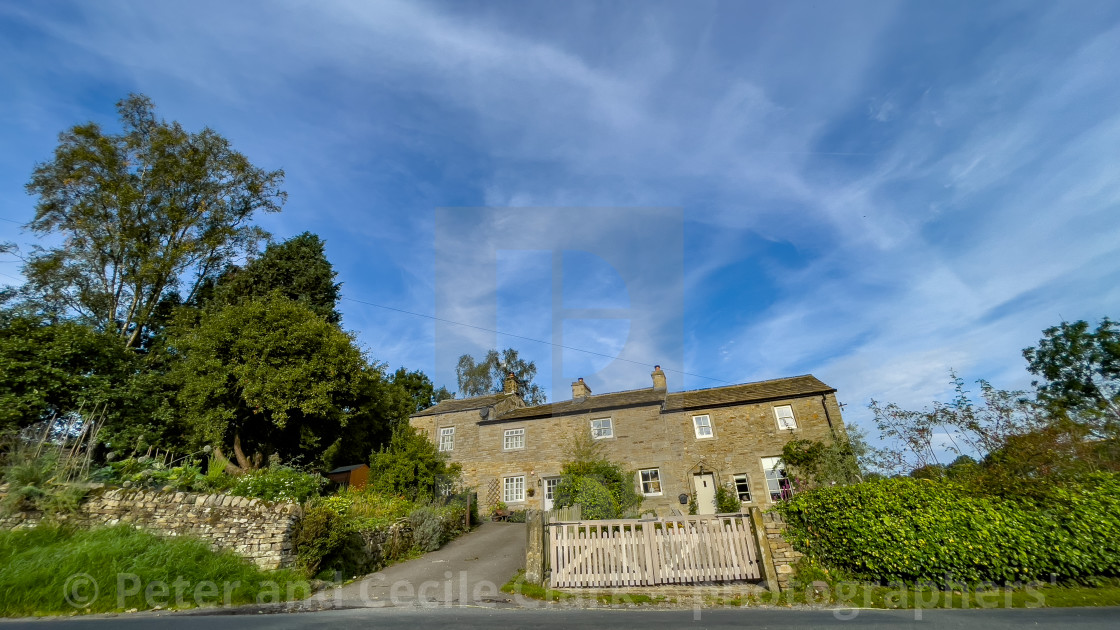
266, 376
140, 214
478, 378
1079, 370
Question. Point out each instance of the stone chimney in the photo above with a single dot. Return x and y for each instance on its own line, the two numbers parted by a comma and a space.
580, 390
511, 385
658, 379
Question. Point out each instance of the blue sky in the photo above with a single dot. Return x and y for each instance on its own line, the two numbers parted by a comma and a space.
873, 192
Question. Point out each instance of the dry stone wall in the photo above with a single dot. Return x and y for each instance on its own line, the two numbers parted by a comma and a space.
252, 528
783, 554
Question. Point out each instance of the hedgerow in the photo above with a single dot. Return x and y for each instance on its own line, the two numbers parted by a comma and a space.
922, 530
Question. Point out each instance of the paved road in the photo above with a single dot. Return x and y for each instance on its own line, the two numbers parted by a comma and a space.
469, 570
469, 618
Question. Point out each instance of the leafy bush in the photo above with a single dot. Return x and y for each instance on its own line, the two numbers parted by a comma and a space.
279, 483
427, 528
727, 502
36, 563
34, 484
366, 509
410, 466
594, 499
517, 516
321, 536
913, 529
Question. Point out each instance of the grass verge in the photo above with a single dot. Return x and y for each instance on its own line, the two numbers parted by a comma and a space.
50, 570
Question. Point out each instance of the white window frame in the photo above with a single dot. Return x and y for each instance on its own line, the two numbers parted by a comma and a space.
513, 439
446, 439
742, 483
701, 428
603, 431
785, 422
550, 484
513, 489
653, 480
779, 486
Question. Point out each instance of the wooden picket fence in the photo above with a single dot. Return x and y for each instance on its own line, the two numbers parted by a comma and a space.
678, 550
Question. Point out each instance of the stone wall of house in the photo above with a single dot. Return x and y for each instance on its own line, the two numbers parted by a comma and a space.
254, 529
783, 554
645, 437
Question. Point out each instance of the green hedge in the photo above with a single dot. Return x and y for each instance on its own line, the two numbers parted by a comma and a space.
919, 530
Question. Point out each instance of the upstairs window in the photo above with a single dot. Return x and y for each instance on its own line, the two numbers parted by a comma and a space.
777, 483
602, 428
447, 438
513, 439
703, 426
784, 414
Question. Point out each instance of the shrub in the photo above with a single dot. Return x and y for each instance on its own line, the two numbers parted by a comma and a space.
321, 536
727, 502
594, 499
427, 528
410, 466
914, 529
279, 483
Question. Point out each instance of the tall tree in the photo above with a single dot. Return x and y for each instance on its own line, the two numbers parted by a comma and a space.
140, 213
1080, 372
266, 376
298, 268
478, 378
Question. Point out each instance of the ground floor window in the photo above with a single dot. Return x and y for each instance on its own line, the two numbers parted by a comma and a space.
514, 489
743, 487
550, 487
777, 482
651, 481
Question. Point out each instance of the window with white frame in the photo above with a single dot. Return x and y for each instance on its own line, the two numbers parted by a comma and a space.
513, 490
743, 487
651, 481
777, 483
602, 428
513, 439
703, 426
550, 487
784, 414
447, 438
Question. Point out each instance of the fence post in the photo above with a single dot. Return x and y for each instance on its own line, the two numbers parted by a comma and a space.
765, 558
534, 548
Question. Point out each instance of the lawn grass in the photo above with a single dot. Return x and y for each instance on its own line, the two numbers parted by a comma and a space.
52, 570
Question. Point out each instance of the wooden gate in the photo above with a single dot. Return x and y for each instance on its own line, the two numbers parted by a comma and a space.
678, 550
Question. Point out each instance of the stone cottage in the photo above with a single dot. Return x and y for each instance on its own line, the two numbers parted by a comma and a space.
678, 443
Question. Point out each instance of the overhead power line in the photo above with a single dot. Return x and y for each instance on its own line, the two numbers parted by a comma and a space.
547, 343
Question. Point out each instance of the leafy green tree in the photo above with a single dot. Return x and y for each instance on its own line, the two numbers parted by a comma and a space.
140, 214
296, 268
835, 462
1079, 372
266, 376
417, 391
478, 378
410, 466
55, 370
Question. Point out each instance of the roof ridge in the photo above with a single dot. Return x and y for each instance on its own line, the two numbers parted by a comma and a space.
767, 380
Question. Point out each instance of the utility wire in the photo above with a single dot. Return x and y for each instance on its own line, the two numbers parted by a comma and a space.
547, 343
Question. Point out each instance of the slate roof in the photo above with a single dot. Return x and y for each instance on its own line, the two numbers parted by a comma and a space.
462, 404
616, 400
761, 391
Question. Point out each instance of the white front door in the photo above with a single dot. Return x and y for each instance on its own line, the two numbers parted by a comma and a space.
549, 491
705, 493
